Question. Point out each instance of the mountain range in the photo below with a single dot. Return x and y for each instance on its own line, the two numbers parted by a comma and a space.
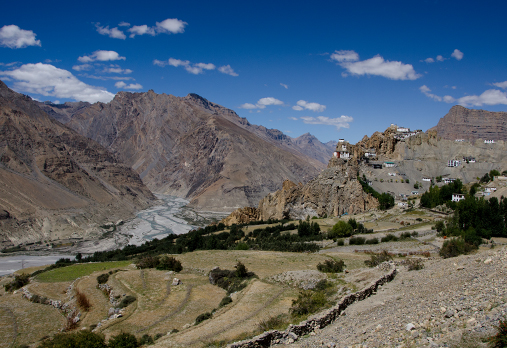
193, 148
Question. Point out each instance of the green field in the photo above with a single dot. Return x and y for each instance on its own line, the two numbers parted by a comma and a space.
73, 272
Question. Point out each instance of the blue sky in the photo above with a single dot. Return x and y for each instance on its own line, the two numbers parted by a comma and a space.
336, 70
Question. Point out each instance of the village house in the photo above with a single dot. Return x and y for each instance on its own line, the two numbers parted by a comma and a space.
489, 141
469, 159
453, 163
459, 140
426, 179
448, 180
456, 197
389, 164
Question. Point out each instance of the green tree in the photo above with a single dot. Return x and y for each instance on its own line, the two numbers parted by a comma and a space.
80, 339
340, 230
123, 340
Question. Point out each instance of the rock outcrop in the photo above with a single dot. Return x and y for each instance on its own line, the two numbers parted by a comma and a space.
334, 192
55, 183
470, 125
192, 148
241, 216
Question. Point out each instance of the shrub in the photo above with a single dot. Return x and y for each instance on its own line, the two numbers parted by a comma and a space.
169, 263
225, 301
272, 323
357, 240
18, 282
414, 264
439, 226
499, 340
378, 258
340, 230
126, 301
340, 242
147, 262
372, 241
308, 302
202, 317
454, 247
331, 266
405, 235
82, 301
146, 339
322, 285
123, 340
241, 271
389, 238
241, 246
80, 339
103, 278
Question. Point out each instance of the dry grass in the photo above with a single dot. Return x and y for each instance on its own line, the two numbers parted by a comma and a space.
82, 301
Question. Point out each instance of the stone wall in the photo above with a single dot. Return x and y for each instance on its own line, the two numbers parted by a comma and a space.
317, 321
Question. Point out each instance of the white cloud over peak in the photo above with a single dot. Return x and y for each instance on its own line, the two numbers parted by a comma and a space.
123, 85
489, 97
315, 107
500, 84
167, 26
114, 33
262, 103
102, 56
457, 54
13, 36
339, 122
226, 69
48, 80
194, 68
393, 70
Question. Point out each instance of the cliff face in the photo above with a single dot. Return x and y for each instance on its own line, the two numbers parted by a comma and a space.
334, 192
55, 183
193, 148
470, 125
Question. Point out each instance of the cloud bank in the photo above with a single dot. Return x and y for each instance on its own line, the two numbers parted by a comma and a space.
194, 68
304, 105
102, 56
262, 103
47, 80
339, 122
489, 97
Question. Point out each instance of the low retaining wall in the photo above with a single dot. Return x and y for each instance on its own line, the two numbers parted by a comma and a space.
318, 321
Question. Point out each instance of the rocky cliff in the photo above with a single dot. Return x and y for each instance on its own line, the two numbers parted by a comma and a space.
193, 148
55, 183
470, 125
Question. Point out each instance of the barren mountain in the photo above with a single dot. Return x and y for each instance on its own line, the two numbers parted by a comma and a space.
55, 183
470, 125
193, 148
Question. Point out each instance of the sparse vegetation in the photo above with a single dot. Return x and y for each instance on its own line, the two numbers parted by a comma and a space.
18, 282
331, 266
377, 258
123, 340
225, 301
385, 200
80, 339
103, 278
414, 264
456, 246
202, 317
126, 301
82, 301
499, 340
273, 323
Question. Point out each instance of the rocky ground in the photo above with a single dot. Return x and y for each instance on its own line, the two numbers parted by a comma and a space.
454, 302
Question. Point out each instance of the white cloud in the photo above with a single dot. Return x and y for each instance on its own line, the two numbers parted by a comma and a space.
102, 56
115, 69
429, 60
489, 97
226, 69
500, 84
82, 67
345, 56
123, 85
315, 107
194, 68
141, 30
262, 103
168, 26
171, 25
457, 54
105, 78
284, 85
13, 36
339, 122
425, 89
293, 118
124, 24
47, 80
440, 58
349, 60
114, 33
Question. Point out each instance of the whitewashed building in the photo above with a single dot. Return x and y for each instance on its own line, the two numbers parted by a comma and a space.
456, 197
489, 141
453, 163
